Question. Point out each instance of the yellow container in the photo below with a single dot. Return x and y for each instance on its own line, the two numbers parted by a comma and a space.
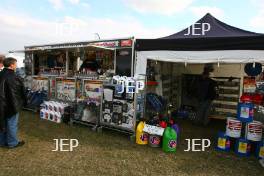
141, 137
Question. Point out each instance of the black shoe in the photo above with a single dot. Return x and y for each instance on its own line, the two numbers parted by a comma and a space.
3, 146
20, 144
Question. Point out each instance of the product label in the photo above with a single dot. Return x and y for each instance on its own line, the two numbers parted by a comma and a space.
172, 144
242, 147
155, 140
261, 152
222, 143
144, 137
245, 112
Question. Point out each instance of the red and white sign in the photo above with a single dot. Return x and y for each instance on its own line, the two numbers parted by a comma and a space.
111, 44
126, 43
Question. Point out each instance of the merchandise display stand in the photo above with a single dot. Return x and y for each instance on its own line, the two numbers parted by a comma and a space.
118, 110
88, 104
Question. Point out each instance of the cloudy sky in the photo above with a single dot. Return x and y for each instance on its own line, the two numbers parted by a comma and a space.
27, 22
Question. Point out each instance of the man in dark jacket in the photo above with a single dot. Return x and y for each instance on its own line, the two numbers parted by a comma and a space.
1, 62
12, 98
207, 92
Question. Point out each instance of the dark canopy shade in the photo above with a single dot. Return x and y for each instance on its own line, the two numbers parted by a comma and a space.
221, 36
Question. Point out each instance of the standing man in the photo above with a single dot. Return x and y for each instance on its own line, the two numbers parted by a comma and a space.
12, 99
1, 62
207, 91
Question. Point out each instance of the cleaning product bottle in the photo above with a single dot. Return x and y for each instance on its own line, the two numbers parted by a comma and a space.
141, 137
169, 142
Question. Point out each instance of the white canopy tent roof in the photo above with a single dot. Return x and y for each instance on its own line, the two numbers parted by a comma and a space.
197, 57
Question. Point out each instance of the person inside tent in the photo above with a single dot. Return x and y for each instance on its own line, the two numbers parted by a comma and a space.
207, 91
89, 64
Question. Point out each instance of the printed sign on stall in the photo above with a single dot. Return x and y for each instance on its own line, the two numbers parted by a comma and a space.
40, 83
126, 43
66, 89
93, 90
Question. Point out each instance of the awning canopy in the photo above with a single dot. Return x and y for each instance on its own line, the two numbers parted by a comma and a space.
217, 42
206, 34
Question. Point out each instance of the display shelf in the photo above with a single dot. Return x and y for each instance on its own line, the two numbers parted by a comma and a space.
226, 104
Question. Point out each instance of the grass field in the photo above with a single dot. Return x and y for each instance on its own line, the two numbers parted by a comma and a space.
112, 153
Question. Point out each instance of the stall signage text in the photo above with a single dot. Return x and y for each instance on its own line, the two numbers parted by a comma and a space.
111, 44
131, 85
198, 29
126, 43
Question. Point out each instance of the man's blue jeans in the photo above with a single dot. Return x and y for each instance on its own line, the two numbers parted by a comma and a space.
9, 137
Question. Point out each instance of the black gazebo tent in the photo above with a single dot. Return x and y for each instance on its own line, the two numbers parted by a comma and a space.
221, 36
221, 44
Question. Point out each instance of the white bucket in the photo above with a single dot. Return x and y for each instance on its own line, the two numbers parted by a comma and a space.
233, 127
254, 131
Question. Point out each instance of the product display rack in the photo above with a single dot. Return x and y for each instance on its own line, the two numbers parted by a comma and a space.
226, 104
118, 110
84, 101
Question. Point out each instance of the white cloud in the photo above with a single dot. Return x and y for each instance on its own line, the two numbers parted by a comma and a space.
20, 30
162, 7
257, 22
56, 4
200, 11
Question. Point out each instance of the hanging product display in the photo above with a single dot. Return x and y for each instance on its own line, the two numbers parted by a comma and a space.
40, 84
117, 109
66, 89
249, 85
253, 69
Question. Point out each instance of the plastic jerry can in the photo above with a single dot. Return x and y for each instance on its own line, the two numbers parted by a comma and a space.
141, 137
245, 112
169, 141
260, 150
177, 129
243, 147
223, 142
